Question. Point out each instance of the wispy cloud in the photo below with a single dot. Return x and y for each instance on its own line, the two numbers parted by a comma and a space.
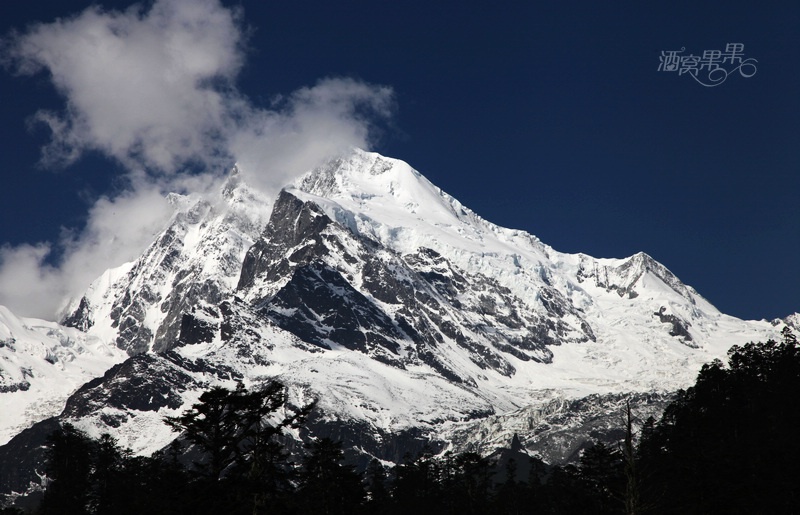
155, 90
148, 88
312, 124
117, 229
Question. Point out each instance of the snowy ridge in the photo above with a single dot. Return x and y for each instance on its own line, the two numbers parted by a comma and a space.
195, 260
388, 201
136, 307
624, 300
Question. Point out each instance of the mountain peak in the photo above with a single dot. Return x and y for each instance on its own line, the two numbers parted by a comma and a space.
365, 180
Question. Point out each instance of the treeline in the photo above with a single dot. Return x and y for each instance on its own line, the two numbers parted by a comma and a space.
726, 445
98, 477
731, 443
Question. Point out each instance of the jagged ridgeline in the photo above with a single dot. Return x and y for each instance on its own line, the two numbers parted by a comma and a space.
409, 318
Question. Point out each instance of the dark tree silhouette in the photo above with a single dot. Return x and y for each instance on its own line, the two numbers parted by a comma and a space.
234, 427
602, 468
69, 466
327, 486
728, 444
417, 486
216, 427
378, 496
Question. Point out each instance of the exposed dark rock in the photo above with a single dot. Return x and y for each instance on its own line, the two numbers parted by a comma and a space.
145, 383
23, 456
183, 298
295, 228
678, 327
20, 386
623, 278
363, 442
320, 306
128, 314
81, 318
199, 329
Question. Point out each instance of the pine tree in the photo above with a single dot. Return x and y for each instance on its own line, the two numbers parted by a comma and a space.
69, 465
632, 492
109, 484
469, 487
511, 496
377, 492
602, 469
327, 486
243, 464
234, 427
215, 427
417, 484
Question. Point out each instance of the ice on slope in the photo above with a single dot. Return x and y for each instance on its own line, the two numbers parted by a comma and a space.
41, 364
349, 386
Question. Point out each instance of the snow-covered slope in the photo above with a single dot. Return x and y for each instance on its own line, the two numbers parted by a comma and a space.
407, 315
650, 331
41, 364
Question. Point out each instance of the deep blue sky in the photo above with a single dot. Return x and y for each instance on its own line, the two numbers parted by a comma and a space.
552, 119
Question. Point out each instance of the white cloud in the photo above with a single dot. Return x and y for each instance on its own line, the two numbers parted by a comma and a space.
312, 124
143, 87
27, 283
117, 231
154, 89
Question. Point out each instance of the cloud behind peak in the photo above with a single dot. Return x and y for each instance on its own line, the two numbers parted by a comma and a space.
153, 88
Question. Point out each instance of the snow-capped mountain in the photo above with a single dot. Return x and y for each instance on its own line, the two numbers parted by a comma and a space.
410, 319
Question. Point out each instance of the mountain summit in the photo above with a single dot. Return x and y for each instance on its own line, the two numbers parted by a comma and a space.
406, 315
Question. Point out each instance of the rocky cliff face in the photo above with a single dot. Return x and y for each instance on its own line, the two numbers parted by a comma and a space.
315, 278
